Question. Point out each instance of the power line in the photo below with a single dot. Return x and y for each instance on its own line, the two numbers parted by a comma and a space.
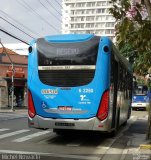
54, 7
58, 3
13, 36
16, 27
49, 11
18, 22
23, 5
41, 17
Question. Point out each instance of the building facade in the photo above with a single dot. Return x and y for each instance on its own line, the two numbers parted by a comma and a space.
19, 77
88, 16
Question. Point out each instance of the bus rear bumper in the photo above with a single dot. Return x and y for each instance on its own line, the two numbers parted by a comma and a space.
71, 124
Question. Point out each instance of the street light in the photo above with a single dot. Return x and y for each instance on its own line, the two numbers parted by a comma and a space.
4, 50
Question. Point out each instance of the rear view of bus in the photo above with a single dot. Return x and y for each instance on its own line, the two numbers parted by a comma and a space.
69, 82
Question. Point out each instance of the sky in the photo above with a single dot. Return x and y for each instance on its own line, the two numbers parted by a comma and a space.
36, 18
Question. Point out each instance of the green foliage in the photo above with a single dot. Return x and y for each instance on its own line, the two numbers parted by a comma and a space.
133, 35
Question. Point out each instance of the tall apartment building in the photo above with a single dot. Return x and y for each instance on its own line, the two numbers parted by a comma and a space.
88, 16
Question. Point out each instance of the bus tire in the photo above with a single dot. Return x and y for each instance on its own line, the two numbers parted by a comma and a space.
115, 131
60, 132
125, 123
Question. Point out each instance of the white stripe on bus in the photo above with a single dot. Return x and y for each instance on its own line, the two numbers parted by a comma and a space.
70, 67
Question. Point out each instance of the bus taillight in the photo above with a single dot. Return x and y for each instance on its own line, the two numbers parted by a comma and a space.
31, 108
104, 106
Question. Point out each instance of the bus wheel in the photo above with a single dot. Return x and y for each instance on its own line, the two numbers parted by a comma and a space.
60, 132
115, 131
125, 123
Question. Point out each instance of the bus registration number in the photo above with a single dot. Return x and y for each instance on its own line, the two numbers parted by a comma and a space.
65, 108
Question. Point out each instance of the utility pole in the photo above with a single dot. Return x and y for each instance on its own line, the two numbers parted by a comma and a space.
149, 107
12, 77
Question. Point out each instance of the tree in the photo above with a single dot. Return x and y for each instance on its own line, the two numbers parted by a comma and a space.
133, 31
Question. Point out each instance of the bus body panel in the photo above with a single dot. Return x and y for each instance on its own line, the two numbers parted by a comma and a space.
80, 102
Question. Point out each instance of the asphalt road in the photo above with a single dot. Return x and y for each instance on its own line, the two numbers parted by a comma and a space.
17, 141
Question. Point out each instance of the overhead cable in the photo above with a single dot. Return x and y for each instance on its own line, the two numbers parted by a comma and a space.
4, 13
41, 17
53, 7
58, 3
16, 27
49, 11
13, 36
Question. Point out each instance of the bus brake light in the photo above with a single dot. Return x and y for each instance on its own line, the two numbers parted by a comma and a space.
31, 108
104, 106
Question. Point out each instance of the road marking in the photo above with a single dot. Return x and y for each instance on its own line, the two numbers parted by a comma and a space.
50, 155
13, 133
106, 144
125, 151
4, 129
73, 144
22, 139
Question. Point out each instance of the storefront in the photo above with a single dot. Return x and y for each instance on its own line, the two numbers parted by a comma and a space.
20, 91
19, 77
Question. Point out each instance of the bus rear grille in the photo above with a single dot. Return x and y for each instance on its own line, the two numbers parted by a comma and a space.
66, 78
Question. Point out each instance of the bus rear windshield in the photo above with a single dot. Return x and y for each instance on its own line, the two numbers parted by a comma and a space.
67, 64
79, 53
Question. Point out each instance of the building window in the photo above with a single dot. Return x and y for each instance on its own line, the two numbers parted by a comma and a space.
79, 25
89, 25
72, 25
100, 10
100, 25
109, 18
101, 18
90, 11
80, 4
91, 18
109, 24
109, 31
103, 3
80, 12
90, 4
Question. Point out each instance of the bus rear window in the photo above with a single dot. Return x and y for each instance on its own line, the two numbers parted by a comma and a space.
67, 64
141, 90
78, 53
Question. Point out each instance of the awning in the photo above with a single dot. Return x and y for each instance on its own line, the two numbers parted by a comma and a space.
17, 81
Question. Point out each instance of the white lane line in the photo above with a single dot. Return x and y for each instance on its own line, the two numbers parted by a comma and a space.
4, 129
73, 144
106, 144
132, 117
22, 139
125, 151
50, 155
13, 133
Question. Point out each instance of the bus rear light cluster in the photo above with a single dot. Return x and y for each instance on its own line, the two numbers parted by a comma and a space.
31, 107
104, 106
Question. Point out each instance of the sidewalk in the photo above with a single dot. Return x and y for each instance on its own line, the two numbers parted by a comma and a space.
16, 110
138, 146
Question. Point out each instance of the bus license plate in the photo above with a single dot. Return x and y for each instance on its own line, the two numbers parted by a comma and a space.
65, 108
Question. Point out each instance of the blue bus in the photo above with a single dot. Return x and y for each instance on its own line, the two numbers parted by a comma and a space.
141, 97
78, 82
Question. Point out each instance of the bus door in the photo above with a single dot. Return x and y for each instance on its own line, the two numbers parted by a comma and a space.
113, 88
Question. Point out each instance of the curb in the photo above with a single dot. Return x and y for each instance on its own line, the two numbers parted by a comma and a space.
145, 146
14, 111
